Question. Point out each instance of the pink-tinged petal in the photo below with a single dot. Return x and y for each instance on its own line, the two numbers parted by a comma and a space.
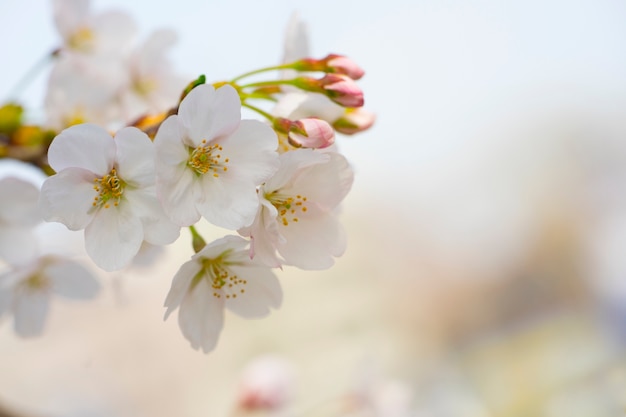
312, 243
69, 15
265, 236
135, 157
292, 162
208, 114
113, 237
201, 317
29, 312
180, 286
72, 280
68, 197
326, 184
252, 151
86, 146
316, 133
228, 202
158, 229
343, 65
168, 144
18, 202
262, 292
17, 245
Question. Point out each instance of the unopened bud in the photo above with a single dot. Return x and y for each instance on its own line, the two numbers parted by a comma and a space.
266, 384
339, 88
342, 90
306, 133
336, 64
354, 121
312, 133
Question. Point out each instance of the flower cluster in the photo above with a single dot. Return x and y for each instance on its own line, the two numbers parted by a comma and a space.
181, 153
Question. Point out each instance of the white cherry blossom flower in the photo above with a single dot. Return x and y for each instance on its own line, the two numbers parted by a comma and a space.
92, 34
19, 214
107, 187
151, 84
79, 91
220, 276
210, 161
25, 290
296, 223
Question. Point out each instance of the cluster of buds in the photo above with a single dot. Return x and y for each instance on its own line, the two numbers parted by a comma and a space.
133, 155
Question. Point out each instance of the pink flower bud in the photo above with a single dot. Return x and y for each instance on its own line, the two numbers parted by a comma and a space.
354, 121
311, 133
266, 384
342, 90
332, 63
340, 64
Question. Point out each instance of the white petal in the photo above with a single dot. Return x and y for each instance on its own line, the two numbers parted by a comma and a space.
312, 243
113, 237
208, 114
228, 203
135, 157
86, 146
72, 280
17, 245
69, 15
230, 243
115, 31
201, 317
18, 205
252, 152
68, 197
296, 40
168, 143
180, 285
158, 229
291, 163
262, 291
29, 314
179, 196
6, 297
326, 184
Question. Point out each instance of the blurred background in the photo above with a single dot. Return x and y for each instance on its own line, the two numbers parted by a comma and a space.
486, 267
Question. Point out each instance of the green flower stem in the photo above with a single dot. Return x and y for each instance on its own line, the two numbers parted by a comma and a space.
261, 112
261, 70
196, 240
268, 83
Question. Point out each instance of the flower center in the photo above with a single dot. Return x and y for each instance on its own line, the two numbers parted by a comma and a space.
36, 282
208, 158
223, 281
82, 39
109, 187
288, 207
